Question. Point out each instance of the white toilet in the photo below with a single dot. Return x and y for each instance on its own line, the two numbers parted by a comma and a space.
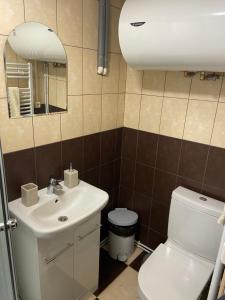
181, 268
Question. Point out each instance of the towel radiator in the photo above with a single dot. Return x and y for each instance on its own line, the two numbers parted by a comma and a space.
23, 71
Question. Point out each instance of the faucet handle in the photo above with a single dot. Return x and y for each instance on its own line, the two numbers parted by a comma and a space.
54, 181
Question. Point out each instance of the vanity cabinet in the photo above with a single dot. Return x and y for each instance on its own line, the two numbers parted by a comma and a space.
65, 266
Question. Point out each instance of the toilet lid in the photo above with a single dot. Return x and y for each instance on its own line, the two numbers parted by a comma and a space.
170, 274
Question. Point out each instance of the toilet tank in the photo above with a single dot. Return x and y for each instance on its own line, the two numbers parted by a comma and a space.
193, 223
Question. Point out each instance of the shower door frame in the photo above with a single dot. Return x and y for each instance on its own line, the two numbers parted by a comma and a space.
5, 239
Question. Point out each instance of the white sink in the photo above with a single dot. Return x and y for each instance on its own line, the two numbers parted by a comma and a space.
55, 213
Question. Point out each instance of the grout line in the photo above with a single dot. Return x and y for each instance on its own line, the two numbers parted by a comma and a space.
160, 120
142, 80
92, 49
56, 9
35, 154
24, 11
210, 141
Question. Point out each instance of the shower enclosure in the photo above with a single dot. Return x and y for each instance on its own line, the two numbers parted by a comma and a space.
8, 290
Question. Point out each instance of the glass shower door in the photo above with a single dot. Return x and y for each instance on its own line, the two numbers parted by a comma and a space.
8, 289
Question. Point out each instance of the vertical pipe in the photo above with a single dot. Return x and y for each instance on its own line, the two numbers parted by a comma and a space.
218, 270
101, 36
107, 17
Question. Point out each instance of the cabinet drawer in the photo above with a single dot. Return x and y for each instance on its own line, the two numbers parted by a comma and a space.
87, 228
52, 247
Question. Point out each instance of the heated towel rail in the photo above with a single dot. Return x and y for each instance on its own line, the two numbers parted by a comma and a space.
22, 71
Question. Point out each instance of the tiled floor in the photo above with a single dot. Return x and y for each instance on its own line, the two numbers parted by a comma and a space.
118, 280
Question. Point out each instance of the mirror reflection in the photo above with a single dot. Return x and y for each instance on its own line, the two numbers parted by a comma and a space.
36, 71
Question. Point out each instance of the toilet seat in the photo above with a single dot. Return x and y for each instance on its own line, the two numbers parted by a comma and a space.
170, 274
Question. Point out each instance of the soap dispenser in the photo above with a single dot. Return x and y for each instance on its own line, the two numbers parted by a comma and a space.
71, 177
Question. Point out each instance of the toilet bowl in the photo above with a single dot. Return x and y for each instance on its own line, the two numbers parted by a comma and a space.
181, 268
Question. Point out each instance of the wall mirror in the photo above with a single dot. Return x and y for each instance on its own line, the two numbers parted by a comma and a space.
36, 71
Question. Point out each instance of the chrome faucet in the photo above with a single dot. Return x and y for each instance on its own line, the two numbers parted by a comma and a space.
54, 187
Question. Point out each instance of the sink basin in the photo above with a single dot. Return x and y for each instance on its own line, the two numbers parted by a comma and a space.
55, 213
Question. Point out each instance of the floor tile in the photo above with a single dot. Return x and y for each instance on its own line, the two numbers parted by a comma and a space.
124, 287
109, 269
136, 253
136, 264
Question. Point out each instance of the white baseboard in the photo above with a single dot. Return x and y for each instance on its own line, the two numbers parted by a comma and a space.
143, 247
104, 242
137, 243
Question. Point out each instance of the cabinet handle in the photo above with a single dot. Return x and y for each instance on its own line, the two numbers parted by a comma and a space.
81, 237
49, 260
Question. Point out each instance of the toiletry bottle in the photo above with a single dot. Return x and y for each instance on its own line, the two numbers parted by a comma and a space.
71, 177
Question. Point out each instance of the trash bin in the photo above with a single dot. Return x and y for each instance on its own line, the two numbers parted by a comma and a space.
122, 227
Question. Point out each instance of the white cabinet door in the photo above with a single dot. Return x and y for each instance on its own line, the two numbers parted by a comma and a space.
86, 263
56, 267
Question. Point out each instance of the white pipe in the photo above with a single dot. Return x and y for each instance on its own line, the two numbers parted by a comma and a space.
218, 270
100, 70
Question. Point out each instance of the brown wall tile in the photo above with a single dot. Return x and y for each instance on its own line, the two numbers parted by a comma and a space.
72, 152
129, 143
144, 176
168, 154
147, 148
91, 151
19, 169
48, 163
193, 160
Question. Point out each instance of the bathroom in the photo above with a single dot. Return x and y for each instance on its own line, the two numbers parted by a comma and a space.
134, 128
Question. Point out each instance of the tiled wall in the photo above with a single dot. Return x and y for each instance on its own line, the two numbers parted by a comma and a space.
153, 165
42, 146
96, 103
177, 124
95, 156
167, 103
175, 136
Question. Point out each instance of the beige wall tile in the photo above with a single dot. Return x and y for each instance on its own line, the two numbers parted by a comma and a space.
218, 136
16, 134
109, 111
132, 110
74, 56
177, 86
90, 24
92, 82
114, 45
205, 89
41, 11
92, 113
11, 15
123, 75
110, 82
2, 68
69, 18
199, 121
46, 129
151, 107
120, 111
173, 117
134, 81
72, 121
153, 83
222, 93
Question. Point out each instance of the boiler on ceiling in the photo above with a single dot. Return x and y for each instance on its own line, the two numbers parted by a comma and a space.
173, 34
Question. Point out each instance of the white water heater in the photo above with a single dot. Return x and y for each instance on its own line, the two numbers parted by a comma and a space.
184, 35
